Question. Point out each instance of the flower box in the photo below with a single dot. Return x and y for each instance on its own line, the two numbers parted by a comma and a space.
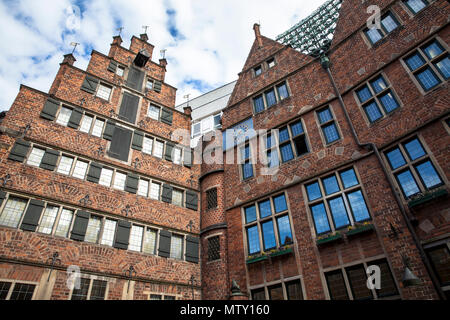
281, 252
332, 238
360, 229
427, 197
256, 259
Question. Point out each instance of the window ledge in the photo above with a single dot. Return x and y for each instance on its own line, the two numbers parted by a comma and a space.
329, 239
360, 229
257, 259
427, 197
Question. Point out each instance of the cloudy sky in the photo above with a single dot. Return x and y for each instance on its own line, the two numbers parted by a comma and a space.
207, 41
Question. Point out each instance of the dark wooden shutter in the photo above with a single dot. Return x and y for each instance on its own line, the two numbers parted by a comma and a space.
192, 246
112, 66
157, 86
138, 140
2, 197
75, 118
122, 235
129, 107
49, 159
135, 78
19, 151
169, 151
191, 200
120, 144
131, 184
167, 193
167, 116
90, 84
32, 215
80, 225
50, 109
164, 243
95, 170
109, 130
188, 157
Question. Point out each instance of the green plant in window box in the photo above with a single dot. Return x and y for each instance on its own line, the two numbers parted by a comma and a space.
256, 257
330, 237
424, 197
360, 228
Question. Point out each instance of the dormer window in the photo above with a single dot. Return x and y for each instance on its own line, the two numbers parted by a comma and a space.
271, 63
141, 58
257, 70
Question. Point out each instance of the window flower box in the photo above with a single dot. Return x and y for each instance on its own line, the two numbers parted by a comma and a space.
257, 258
360, 229
329, 239
281, 252
426, 197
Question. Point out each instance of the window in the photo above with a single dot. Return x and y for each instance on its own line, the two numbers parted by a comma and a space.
153, 112
440, 260
336, 201
64, 116
197, 129
430, 65
159, 149
291, 290
177, 197
258, 103
214, 248
136, 236
149, 84
86, 123
65, 164
120, 71
270, 97
12, 212
211, 199
388, 24
374, 94
16, 291
35, 157
271, 63
93, 229
80, 169
64, 223
217, 120
276, 292
97, 130
109, 231
155, 190
150, 241
90, 289
143, 187
257, 70
412, 168
267, 223
119, 180
106, 177
177, 155
176, 247
48, 219
416, 5
104, 92
328, 125
147, 145
247, 167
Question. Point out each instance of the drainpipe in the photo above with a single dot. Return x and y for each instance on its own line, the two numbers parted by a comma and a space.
325, 62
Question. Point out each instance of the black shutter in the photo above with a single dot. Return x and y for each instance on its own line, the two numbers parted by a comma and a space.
75, 118
135, 78
90, 84
49, 159
167, 116
19, 151
191, 200
157, 86
138, 140
129, 107
192, 245
169, 151
112, 66
167, 193
95, 170
164, 243
50, 109
2, 197
80, 225
33, 215
131, 184
109, 130
120, 144
188, 157
122, 235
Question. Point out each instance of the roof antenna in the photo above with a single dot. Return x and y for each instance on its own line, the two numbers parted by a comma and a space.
187, 97
145, 28
120, 30
74, 45
163, 53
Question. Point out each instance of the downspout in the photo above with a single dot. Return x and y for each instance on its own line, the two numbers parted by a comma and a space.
325, 62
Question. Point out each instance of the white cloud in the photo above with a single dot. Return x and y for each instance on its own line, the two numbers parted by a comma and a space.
213, 40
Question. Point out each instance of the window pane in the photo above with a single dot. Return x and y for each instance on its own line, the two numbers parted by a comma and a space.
143, 188
4, 289
177, 156
284, 135
98, 127
444, 67
282, 91
98, 290
301, 146
320, 218
48, 219
331, 133
358, 283
280, 203
374, 35
64, 116
119, 181
155, 297
395, 158
349, 178
270, 141
389, 23
35, 157
258, 103
159, 146
268, 235
364, 94
106, 177
358, 205
284, 230
253, 240
214, 248
414, 149
428, 79
155, 190
325, 116
294, 290
109, 231
177, 197
86, 123
270, 98
313, 191
389, 102
272, 157
373, 112
80, 170
250, 214
153, 112
258, 294
22, 291
440, 258
93, 229
120, 71
416, 5
150, 241
331, 185
407, 183
415, 61
196, 129
64, 223
149, 84
297, 128
65, 165
433, 50
388, 287
336, 285
276, 292
217, 120
286, 152
104, 92
176, 247
258, 71
428, 174
136, 235
339, 212
12, 212
378, 84
247, 170
147, 145
264, 209
81, 293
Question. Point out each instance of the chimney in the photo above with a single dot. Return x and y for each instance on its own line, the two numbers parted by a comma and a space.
69, 59
144, 37
188, 111
117, 40
163, 62
257, 34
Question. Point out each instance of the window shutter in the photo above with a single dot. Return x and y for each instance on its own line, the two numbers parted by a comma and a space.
129, 107
167, 193
122, 235
164, 243
32, 215
112, 66
95, 170
169, 151
2, 197
138, 140
131, 184
80, 225
109, 130
192, 245
188, 157
75, 118
50, 109
49, 159
157, 86
191, 200
19, 151
167, 116
120, 144
135, 78
90, 84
